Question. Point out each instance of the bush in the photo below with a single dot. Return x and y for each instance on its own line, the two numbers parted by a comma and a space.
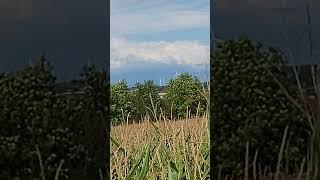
248, 106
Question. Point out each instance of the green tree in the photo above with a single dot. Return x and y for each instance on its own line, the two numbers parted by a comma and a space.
95, 126
146, 99
33, 115
121, 102
185, 92
26, 100
249, 106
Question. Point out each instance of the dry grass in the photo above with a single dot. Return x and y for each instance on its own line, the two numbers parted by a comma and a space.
178, 149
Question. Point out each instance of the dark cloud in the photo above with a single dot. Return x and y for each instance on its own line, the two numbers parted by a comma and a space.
275, 24
71, 33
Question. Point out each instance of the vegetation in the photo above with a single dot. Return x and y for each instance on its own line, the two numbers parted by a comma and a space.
186, 94
161, 150
146, 96
122, 103
185, 97
159, 146
261, 128
43, 135
261, 122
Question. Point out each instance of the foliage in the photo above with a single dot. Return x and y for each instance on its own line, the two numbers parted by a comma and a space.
248, 106
96, 127
121, 103
22, 96
32, 115
146, 99
185, 93
182, 93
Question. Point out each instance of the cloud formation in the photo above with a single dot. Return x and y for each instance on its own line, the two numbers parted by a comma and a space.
124, 51
141, 17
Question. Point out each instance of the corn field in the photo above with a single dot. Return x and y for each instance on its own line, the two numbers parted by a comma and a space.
161, 150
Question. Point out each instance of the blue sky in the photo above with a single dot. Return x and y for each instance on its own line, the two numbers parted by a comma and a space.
156, 39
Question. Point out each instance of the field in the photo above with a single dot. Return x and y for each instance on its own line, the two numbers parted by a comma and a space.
168, 150
161, 150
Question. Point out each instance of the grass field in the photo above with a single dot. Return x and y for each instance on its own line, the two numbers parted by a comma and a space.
161, 150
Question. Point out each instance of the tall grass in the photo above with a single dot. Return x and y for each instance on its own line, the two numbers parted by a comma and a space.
160, 150
313, 117
165, 149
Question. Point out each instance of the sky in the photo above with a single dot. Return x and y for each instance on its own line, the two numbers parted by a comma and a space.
70, 33
149, 39
153, 40
280, 24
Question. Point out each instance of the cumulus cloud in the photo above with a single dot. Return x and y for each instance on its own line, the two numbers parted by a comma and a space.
138, 17
124, 51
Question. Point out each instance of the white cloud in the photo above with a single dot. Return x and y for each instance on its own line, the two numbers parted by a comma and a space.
137, 17
190, 53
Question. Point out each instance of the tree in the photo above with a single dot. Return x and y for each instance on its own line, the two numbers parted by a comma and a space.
185, 92
26, 101
147, 100
121, 102
63, 128
248, 106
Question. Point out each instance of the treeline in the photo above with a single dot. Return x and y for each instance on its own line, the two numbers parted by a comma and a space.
184, 97
41, 131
